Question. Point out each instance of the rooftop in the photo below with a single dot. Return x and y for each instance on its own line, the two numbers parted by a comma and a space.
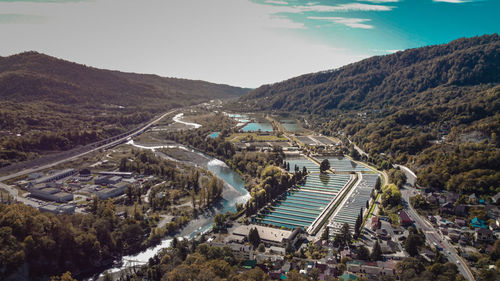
265, 233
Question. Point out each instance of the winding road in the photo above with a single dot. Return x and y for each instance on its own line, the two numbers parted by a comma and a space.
14, 193
431, 234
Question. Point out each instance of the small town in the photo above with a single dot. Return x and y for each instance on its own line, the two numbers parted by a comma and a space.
336, 218
250, 140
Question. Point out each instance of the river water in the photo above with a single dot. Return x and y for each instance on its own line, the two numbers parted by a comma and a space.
234, 192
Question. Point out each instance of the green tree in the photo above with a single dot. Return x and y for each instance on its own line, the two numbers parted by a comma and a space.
345, 234
363, 253
376, 254
326, 234
324, 166
254, 237
314, 274
261, 248
358, 224
64, 277
412, 242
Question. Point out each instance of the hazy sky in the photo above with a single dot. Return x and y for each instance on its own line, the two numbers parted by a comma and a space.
238, 42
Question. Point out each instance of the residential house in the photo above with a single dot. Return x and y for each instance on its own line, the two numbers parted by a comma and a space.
461, 210
432, 199
483, 235
447, 208
404, 219
451, 197
496, 199
473, 199
375, 223
460, 222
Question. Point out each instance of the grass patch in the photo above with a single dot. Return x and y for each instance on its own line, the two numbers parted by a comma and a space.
251, 137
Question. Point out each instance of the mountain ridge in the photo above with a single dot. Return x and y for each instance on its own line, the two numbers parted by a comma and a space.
382, 76
56, 105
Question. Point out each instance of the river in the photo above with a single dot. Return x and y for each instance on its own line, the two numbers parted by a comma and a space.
234, 192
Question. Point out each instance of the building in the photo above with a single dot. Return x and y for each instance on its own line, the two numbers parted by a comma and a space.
268, 235
371, 270
50, 194
277, 250
63, 209
483, 235
239, 251
104, 180
461, 210
460, 222
404, 219
55, 176
375, 223
496, 199
119, 174
112, 191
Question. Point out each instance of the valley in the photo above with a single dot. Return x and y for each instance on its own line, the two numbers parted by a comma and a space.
385, 169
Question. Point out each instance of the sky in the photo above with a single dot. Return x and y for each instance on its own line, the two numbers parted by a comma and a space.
238, 42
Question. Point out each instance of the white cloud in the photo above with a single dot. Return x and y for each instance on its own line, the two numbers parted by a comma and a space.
379, 1
346, 7
227, 41
277, 2
332, 8
454, 1
350, 22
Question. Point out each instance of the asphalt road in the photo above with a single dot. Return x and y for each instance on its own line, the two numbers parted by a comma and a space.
14, 192
431, 234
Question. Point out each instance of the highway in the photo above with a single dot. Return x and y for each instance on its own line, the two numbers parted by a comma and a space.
431, 234
14, 192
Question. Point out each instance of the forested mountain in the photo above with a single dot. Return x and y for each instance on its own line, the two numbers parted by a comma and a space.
436, 109
32, 75
48, 104
405, 78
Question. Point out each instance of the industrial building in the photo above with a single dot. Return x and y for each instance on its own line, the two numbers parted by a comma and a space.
112, 191
50, 194
55, 176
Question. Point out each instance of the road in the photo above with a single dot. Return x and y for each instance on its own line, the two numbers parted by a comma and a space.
14, 192
431, 234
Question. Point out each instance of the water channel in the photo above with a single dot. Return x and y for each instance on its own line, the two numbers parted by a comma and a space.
234, 192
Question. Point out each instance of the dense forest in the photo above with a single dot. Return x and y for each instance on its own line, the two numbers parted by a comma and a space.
435, 109
48, 104
50, 244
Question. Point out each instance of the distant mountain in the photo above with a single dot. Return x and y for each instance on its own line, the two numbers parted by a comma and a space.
435, 109
32, 75
49, 105
401, 79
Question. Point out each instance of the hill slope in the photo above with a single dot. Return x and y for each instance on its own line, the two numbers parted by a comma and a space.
415, 107
397, 79
55, 105
33, 75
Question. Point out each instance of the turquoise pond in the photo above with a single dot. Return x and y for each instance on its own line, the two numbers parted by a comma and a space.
213, 135
342, 164
254, 127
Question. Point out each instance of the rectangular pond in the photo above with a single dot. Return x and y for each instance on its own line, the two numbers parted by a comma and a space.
301, 162
255, 127
303, 205
342, 164
290, 125
349, 211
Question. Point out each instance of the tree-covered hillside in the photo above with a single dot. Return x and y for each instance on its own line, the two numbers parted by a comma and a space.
436, 109
401, 79
48, 104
